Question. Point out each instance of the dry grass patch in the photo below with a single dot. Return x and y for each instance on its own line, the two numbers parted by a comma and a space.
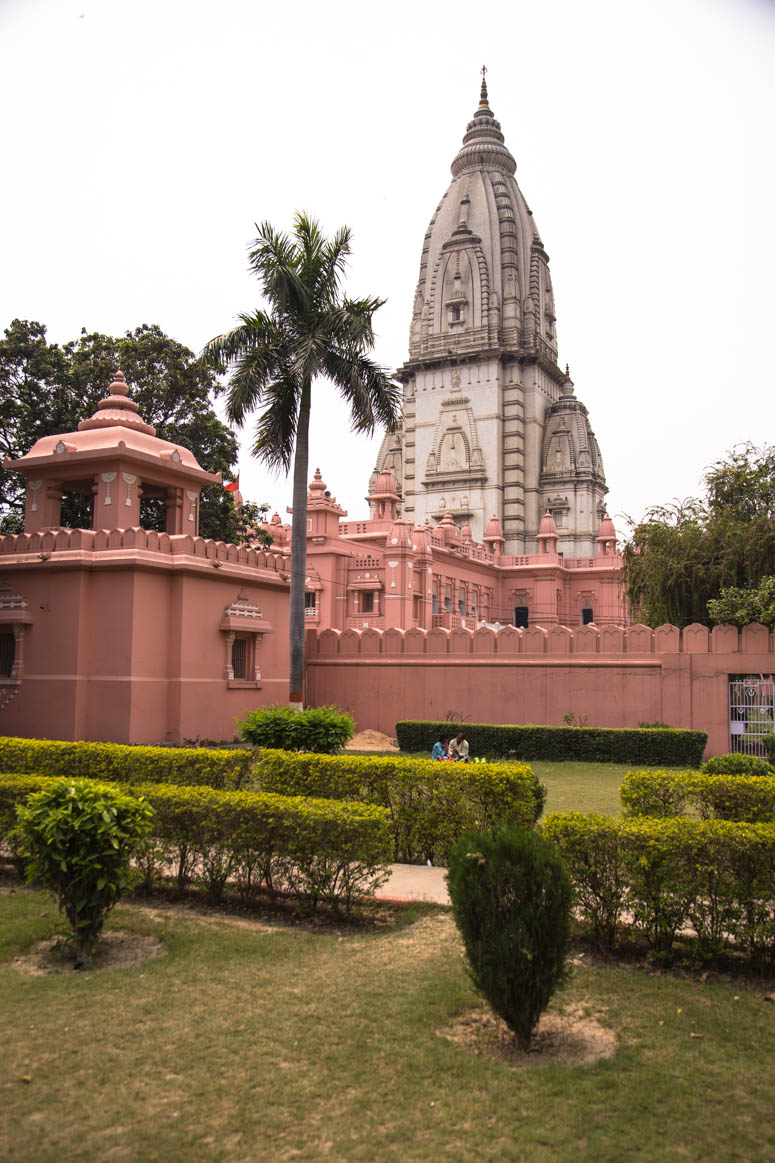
569, 1037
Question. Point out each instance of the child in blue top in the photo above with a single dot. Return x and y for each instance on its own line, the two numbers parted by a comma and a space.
440, 749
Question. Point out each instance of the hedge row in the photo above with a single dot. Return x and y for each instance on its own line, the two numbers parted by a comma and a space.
118, 763
430, 804
667, 746
662, 876
749, 798
314, 850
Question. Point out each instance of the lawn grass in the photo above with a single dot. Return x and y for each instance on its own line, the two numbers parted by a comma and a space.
573, 787
581, 787
248, 1042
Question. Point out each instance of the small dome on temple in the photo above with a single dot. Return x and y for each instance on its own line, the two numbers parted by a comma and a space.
317, 486
494, 530
400, 535
607, 529
547, 527
421, 539
386, 484
466, 531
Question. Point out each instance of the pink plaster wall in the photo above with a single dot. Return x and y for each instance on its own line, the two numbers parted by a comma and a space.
617, 679
124, 644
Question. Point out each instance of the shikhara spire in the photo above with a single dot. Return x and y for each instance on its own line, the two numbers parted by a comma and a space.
491, 424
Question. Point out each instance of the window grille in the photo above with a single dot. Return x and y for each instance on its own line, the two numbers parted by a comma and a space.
7, 654
239, 657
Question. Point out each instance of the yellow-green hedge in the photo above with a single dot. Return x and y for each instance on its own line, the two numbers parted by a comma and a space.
118, 763
659, 876
749, 798
430, 803
311, 849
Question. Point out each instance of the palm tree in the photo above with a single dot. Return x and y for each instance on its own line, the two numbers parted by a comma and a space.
310, 330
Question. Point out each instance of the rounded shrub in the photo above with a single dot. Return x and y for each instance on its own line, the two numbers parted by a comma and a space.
735, 763
511, 898
78, 837
323, 730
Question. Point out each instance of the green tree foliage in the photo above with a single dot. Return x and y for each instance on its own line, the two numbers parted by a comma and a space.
683, 556
511, 898
739, 607
310, 330
47, 389
79, 837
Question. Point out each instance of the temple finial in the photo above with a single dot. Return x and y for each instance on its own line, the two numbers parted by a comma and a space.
483, 92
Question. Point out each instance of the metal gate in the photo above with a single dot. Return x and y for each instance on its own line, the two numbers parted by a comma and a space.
751, 704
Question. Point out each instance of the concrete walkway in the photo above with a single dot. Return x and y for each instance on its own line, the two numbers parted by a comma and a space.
415, 882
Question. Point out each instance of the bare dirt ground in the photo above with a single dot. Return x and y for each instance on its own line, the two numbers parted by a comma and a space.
371, 741
116, 950
569, 1038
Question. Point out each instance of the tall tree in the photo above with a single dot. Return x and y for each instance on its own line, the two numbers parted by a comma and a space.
682, 557
310, 330
47, 389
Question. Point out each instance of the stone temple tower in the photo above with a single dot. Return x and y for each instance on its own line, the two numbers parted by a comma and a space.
490, 421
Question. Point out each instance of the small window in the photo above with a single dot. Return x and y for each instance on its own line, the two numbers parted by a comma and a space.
521, 617
461, 607
310, 602
239, 654
7, 654
587, 616
435, 603
367, 602
455, 314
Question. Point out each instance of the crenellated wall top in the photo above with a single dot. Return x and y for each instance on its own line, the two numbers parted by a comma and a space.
638, 642
69, 544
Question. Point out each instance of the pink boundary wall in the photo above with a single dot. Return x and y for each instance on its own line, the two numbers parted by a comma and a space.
618, 676
125, 635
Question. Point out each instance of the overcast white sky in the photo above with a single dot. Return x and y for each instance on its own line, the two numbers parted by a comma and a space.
144, 138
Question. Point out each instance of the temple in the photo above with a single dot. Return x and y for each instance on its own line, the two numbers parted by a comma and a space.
385, 572
490, 423
487, 502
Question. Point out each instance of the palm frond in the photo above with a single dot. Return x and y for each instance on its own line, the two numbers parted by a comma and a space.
373, 397
276, 427
255, 330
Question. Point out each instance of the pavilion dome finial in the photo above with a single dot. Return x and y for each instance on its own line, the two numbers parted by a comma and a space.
117, 410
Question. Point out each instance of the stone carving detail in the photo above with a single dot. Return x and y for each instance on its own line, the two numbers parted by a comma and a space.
33, 487
129, 479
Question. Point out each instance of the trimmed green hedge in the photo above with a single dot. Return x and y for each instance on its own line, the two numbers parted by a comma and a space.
660, 876
736, 763
666, 794
118, 763
651, 746
431, 804
314, 850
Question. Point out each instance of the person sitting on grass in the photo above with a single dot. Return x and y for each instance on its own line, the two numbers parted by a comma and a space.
458, 748
440, 749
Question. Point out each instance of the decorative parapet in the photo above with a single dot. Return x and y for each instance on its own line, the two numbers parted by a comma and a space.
60, 541
558, 641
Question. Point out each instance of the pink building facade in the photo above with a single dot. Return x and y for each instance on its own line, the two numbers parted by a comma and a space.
120, 633
384, 573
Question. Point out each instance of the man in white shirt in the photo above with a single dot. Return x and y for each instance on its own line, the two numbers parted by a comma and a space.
458, 748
